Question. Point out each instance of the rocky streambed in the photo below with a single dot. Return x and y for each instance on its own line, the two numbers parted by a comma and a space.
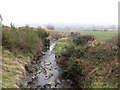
45, 73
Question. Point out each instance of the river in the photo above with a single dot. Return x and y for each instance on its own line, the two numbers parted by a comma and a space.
49, 74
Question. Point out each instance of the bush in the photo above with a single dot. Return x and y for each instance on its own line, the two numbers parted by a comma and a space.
9, 38
42, 33
24, 39
85, 61
81, 40
74, 65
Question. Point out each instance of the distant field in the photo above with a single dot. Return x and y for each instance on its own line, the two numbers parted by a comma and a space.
101, 35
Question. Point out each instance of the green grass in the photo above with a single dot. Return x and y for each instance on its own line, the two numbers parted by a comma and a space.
61, 44
101, 35
7, 81
12, 69
104, 85
63, 40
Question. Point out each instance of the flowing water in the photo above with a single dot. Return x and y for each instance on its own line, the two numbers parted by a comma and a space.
49, 73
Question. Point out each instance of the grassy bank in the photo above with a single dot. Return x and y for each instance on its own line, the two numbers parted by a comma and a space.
90, 64
13, 69
19, 47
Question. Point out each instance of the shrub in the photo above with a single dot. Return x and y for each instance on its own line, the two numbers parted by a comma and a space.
81, 40
10, 38
85, 61
42, 33
24, 39
74, 65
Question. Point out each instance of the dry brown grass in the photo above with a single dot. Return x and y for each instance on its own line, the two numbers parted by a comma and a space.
13, 69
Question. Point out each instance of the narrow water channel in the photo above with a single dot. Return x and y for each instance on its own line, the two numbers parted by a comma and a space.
49, 73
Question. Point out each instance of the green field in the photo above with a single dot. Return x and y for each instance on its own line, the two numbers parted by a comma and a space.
101, 35
98, 34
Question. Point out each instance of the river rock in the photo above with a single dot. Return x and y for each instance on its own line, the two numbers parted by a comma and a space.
57, 81
43, 53
52, 83
48, 75
48, 63
55, 67
48, 68
34, 77
39, 87
29, 82
47, 86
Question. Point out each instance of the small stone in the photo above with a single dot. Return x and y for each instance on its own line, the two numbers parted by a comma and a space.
56, 68
43, 53
50, 69
48, 75
34, 77
47, 86
51, 83
29, 82
48, 63
39, 86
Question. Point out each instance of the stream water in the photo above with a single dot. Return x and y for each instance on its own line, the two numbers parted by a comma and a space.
49, 75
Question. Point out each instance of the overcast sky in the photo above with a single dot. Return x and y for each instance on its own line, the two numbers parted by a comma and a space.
63, 11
